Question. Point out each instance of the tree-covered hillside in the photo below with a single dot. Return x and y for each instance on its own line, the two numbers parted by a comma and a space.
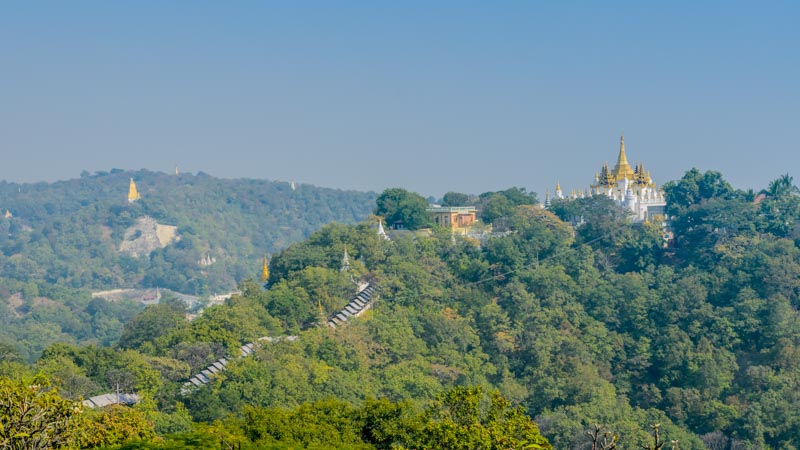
64, 238
601, 324
69, 232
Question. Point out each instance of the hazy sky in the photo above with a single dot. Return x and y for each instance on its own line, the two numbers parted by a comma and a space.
431, 96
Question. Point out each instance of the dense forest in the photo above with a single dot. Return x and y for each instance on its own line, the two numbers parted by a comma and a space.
605, 325
63, 240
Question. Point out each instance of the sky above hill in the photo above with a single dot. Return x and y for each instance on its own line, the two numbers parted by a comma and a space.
430, 96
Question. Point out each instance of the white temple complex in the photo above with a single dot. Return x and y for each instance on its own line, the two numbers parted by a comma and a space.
631, 188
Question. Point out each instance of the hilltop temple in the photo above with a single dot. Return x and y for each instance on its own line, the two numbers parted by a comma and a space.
630, 187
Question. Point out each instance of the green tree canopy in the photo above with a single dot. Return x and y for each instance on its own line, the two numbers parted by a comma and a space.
456, 199
493, 205
398, 205
33, 416
154, 321
457, 420
694, 188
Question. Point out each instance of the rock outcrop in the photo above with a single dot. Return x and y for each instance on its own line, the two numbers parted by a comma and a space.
147, 235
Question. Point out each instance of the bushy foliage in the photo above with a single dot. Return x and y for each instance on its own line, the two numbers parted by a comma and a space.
33, 416
400, 207
495, 205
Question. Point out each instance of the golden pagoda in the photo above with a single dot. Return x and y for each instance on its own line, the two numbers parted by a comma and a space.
265, 271
8, 214
623, 169
133, 194
609, 178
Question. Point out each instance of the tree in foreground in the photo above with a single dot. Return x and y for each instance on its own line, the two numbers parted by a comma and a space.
459, 419
602, 439
33, 416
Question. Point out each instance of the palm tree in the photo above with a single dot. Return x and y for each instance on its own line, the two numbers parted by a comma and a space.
781, 186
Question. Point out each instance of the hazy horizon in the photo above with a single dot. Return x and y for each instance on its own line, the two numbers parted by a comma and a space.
437, 195
429, 97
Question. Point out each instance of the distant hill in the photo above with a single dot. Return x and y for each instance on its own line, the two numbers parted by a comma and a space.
194, 234
70, 232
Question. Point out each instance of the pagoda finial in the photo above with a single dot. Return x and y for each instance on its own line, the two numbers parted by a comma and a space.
381, 232
623, 168
559, 192
345, 260
264, 271
133, 194
622, 158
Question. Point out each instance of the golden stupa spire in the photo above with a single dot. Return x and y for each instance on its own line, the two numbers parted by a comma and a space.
622, 158
133, 194
265, 271
623, 168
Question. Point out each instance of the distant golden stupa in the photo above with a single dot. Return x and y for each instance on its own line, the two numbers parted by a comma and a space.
133, 194
265, 271
8, 214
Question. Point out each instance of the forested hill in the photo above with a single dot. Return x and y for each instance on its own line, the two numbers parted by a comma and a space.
69, 232
596, 325
64, 238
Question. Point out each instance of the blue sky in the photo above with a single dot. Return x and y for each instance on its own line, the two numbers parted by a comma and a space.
431, 96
